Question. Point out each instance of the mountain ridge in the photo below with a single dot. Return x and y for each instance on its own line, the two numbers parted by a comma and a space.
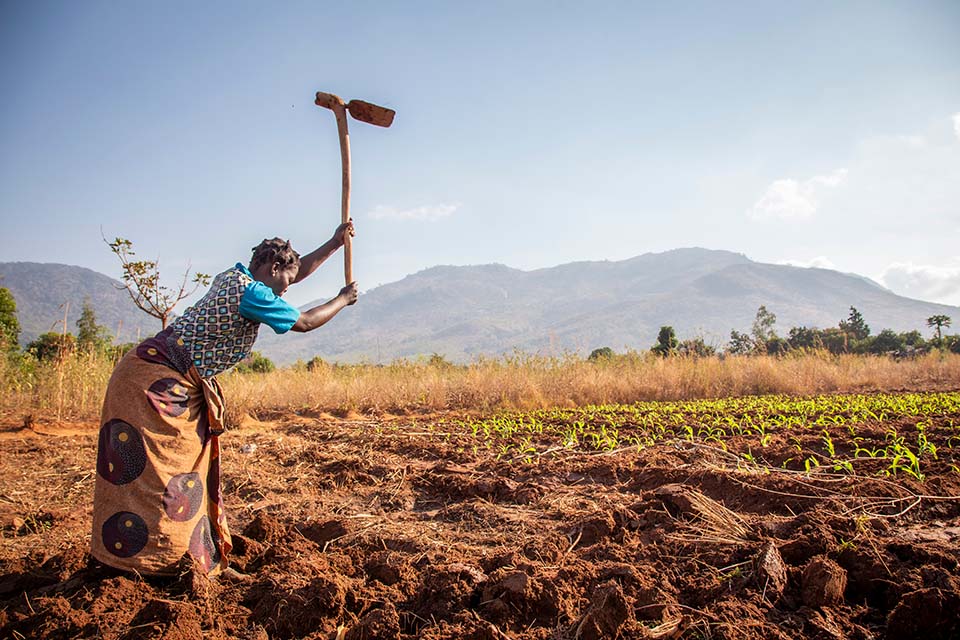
463, 312
493, 309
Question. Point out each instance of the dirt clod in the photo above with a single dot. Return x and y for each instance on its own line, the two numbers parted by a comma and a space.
823, 582
388, 567
608, 612
379, 624
771, 572
247, 553
592, 529
325, 532
165, 620
265, 528
926, 613
294, 606
447, 588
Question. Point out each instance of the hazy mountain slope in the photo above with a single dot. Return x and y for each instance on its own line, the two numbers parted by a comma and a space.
41, 289
462, 312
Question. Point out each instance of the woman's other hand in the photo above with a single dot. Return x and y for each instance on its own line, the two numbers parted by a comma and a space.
339, 236
320, 315
349, 293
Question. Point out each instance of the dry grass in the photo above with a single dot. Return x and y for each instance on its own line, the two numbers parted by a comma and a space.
67, 388
534, 382
73, 388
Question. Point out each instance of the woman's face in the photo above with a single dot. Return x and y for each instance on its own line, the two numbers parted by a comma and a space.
277, 277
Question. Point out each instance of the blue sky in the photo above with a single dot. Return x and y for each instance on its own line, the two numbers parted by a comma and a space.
527, 133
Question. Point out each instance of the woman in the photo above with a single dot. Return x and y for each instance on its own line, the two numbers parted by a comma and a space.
157, 494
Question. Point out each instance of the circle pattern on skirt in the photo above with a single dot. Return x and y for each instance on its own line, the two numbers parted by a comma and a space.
121, 456
124, 534
183, 496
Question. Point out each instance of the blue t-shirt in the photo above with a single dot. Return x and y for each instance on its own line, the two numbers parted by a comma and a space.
260, 304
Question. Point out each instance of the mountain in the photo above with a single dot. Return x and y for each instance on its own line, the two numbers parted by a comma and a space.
41, 291
463, 312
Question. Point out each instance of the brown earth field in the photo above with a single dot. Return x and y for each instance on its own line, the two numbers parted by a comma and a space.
401, 527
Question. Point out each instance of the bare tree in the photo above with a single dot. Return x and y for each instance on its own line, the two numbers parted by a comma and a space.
141, 278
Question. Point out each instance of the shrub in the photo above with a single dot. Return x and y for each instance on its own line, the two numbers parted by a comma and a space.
603, 353
316, 363
439, 361
52, 345
256, 362
696, 347
776, 346
9, 324
885, 342
666, 342
805, 338
740, 343
90, 335
952, 343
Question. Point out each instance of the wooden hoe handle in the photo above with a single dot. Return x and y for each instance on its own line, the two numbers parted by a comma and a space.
341, 113
336, 104
364, 112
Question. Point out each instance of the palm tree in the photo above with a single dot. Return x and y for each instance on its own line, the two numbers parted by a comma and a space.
938, 321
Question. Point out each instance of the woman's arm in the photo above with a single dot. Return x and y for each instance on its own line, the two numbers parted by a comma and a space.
310, 262
322, 314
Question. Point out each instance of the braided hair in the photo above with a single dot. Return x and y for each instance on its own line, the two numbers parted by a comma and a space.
273, 251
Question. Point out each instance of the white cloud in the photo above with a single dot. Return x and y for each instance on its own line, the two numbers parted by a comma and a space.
427, 213
835, 179
820, 262
789, 199
914, 141
956, 124
924, 281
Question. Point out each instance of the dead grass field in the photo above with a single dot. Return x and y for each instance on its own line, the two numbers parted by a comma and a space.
72, 389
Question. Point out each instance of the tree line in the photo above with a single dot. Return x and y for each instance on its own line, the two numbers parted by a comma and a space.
851, 335
89, 338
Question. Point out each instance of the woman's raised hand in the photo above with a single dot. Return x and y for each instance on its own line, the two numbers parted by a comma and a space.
350, 293
339, 236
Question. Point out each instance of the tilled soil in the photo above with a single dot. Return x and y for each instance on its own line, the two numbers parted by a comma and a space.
390, 528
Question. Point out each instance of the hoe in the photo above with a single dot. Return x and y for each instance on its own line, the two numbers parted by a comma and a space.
364, 112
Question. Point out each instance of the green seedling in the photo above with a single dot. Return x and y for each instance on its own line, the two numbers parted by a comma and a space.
828, 443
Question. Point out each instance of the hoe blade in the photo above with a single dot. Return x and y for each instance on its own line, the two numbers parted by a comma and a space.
371, 113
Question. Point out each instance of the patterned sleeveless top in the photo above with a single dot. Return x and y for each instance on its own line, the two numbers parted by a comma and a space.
213, 331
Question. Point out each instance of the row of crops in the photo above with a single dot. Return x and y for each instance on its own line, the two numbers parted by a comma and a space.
904, 432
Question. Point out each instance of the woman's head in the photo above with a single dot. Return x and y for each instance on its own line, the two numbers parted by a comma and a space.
275, 264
